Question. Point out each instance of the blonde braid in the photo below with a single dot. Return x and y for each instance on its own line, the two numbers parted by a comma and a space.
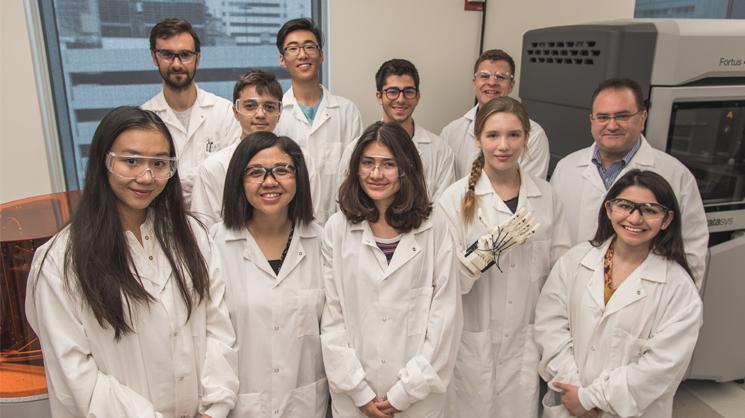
468, 204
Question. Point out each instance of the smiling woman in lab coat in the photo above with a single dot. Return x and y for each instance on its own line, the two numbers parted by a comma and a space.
392, 319
269, 250
619, 316
496, 373
130, 322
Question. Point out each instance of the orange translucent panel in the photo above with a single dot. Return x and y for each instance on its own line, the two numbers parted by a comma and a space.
25, 225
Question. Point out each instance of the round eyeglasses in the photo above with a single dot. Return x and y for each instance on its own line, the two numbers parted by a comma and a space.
130, 166
392, 93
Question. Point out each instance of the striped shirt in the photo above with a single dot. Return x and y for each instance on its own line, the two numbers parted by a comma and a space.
388, 246
610, 174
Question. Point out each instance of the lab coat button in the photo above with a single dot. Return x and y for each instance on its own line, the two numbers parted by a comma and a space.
382, 361
150, 258
509, 302
592, 348
638, 292
385, 318
300, 253
147, 237
180, 378
276, 411
276, 370
512, 265
276, 327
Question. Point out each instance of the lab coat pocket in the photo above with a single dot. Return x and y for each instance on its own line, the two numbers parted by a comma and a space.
308, 401
249, 405
552, 407
310, 307
420, 299
331, 157
625, 348
474, 374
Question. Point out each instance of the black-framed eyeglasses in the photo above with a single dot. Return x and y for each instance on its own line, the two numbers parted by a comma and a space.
618, 117
392, 93
168, 55
646, 210
310, 48
258, 173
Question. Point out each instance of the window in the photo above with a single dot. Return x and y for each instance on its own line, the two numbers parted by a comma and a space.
701, 9
98, 55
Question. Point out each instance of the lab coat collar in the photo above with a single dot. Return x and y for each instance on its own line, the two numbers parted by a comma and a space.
328, 101
408, 247
470, 116
203, 101
652, 269
528, 187
421, 135
644, 155
159, 103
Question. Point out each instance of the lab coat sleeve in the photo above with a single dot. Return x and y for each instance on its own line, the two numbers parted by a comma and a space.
538, 156
205, 200
343, 369
552, 327
431, 369
560, 235
219, 378
54, 313
445, 173
355, 124
695, 228
628, 390
450, 212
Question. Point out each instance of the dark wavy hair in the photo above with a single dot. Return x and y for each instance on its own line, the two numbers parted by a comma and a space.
98, 252
411, 205
236, 210
396, 66
668, 243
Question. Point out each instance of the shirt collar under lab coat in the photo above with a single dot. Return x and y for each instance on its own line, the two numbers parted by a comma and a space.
328, 100
153, 265
643, 157
159, 103
653, 269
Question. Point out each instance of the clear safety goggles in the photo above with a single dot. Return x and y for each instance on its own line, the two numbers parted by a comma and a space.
130, 166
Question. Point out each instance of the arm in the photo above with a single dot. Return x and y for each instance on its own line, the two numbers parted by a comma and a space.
219, 379
431, 368
466, 277
552, 328
628, 390
72, 372
343, 369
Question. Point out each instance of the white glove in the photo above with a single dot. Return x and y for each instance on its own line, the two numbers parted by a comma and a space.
485, 252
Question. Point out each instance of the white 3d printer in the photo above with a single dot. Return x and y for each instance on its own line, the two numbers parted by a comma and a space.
693, 74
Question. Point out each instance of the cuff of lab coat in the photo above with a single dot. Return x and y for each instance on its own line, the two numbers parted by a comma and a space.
362, 395
398, 397
220, 410
584, 399
468, 277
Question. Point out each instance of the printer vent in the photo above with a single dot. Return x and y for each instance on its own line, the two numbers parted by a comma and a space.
563, 52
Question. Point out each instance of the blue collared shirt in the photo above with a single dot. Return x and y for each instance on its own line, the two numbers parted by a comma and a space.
610, 174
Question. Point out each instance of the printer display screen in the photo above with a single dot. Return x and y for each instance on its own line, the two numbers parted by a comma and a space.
709, 138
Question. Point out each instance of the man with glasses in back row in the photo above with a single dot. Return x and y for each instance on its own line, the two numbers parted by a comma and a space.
322, 123
494, 76
397, 85
583, 177
199, 122
257, 105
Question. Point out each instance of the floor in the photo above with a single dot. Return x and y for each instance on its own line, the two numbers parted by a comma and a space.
704, 399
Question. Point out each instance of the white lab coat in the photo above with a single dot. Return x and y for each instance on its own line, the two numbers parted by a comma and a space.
212, 127
276, 320
209, 185
496, 372
167, 367
581, 189
436, 156
389, 331
459, 135
628, 356
337, 123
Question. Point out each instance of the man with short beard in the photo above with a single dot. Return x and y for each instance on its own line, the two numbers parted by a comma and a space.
200, 122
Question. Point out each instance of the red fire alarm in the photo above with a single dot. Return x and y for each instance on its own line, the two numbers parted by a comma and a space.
475, 5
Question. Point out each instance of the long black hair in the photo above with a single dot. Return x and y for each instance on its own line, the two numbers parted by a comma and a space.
98, 253
236, 210
668, 243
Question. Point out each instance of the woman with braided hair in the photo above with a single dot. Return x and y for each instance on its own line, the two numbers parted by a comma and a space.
496, 368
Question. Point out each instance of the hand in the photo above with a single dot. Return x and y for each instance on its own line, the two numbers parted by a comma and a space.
372, 410
386, 408
570, 399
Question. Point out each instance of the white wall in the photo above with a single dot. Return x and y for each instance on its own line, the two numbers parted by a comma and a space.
442, 40
437, 35
24, 170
